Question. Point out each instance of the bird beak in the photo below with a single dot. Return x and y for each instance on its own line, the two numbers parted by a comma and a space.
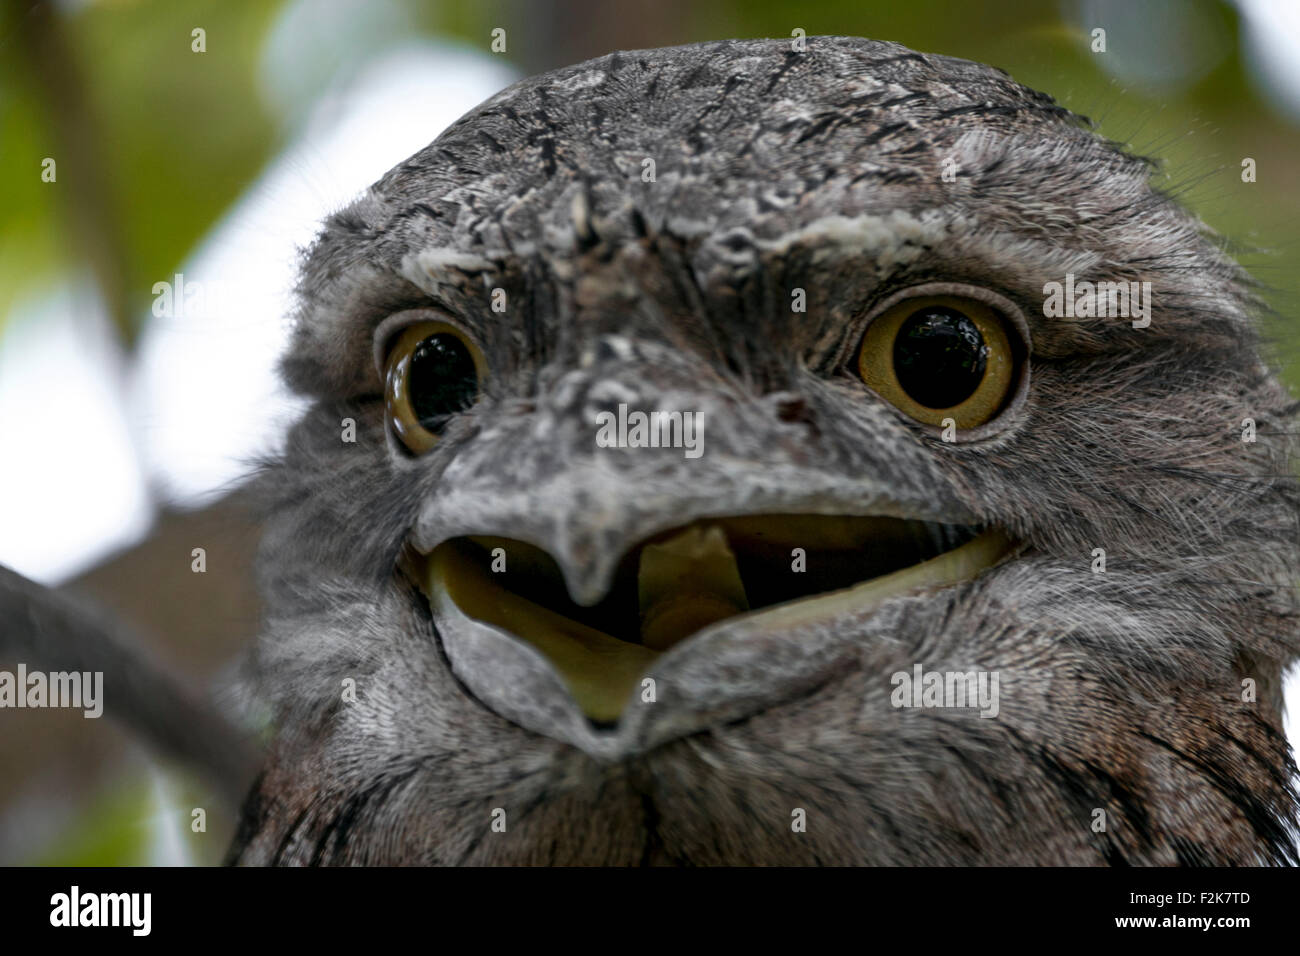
685, 583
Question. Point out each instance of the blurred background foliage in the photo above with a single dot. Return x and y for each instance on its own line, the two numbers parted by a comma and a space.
154, 142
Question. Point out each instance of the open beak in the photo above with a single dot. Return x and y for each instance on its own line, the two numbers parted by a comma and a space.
777, 571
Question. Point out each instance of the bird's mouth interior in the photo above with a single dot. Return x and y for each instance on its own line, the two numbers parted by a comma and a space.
682, 581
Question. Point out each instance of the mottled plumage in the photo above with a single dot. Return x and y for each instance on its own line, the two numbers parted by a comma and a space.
776, 170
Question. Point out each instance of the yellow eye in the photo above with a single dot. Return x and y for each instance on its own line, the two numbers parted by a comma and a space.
433, 372
940, 356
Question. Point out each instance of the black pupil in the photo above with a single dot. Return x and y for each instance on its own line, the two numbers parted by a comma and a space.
939, 357
442, 379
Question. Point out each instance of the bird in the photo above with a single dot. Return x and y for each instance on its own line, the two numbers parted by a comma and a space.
494, 639
696, 472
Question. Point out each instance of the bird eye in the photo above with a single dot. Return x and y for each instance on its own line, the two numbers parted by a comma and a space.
433, 372
938, 357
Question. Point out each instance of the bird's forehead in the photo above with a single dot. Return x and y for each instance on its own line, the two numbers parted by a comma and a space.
706, 139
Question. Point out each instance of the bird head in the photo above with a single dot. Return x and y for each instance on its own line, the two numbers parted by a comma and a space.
679, 418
